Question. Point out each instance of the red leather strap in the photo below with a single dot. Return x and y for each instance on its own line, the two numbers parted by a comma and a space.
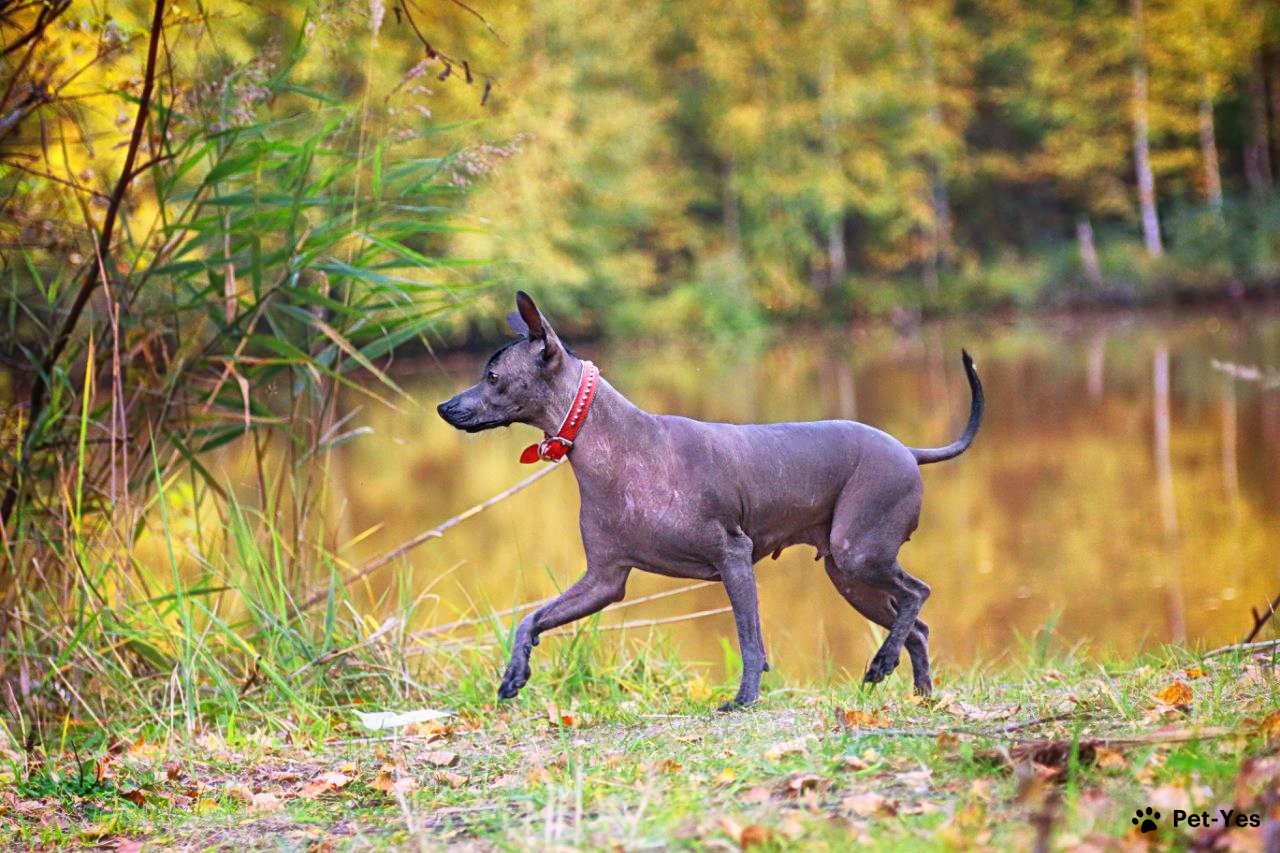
553, 448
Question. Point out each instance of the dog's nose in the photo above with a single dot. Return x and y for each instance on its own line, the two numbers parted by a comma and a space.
443, 410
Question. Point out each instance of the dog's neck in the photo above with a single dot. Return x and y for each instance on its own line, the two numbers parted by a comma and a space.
613, 428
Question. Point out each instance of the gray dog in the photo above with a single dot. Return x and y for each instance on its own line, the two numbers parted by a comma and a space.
689, 499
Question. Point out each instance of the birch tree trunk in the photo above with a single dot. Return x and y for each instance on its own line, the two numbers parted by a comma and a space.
1088, 251
1141, 140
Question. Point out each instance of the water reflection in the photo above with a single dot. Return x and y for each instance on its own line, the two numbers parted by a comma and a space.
1121, 488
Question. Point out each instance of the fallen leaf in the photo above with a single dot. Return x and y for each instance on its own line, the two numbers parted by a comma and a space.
379, 720
136, 797
1194, 672
441, 758
324, 784
866, 804
757, 795
448, 777
1110, 759
754, 834
265, 801
1270, 726
1168, 798
798, 783
745, 836
725, 776
854, 718
698, 689
790, 747
667, 765
1177, 694
947, 740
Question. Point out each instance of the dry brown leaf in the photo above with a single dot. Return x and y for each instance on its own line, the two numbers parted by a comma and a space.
745, 836
853, 763
790, 747
558, 718
441, 758
756, 795
1110, 759
448, 777
324, 784
668, 765
1270, 726
265, 801
798, 783
854, 718
1176, 693
868, 803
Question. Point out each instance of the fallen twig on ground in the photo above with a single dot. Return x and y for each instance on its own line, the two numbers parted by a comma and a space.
1264, 645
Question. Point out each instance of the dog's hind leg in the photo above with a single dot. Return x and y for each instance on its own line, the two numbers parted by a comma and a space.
875, 514
593, 592
878, 606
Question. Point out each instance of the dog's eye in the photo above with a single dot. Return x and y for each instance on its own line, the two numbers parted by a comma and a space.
491, 378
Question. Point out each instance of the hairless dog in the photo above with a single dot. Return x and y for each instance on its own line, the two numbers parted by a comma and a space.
690, 499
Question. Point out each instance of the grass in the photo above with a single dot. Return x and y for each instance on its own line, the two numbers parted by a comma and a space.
621, 748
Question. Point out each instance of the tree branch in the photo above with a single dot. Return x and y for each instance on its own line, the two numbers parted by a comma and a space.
93, 278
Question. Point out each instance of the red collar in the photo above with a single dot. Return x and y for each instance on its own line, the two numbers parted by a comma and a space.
553, 448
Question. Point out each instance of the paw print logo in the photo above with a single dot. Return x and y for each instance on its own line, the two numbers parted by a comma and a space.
1145, 819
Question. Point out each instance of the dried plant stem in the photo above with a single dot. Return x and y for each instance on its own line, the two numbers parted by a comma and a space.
434, 533
96, 272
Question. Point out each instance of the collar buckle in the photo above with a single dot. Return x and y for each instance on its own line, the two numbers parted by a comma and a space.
545, 451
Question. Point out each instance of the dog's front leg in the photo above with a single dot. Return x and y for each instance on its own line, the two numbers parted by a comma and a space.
594, 591
740, 583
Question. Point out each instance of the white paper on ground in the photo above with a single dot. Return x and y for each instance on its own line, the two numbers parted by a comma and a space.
378, 720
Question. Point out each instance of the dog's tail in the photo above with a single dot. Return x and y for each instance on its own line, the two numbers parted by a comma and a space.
926, 455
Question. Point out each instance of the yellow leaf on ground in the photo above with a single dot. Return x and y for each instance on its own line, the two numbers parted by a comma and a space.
1194, 672
1177, 693
725, 776
698, 689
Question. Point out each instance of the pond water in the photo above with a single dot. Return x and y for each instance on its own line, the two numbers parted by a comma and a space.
1122, 491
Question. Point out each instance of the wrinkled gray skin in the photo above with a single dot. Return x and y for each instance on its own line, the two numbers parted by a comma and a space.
689, 499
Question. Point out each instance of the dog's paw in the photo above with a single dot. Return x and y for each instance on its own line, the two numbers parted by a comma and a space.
881, 665
737, 703
516, 676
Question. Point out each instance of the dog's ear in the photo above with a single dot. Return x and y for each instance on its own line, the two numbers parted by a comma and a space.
537, 327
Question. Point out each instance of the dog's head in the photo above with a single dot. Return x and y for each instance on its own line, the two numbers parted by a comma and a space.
522, 382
